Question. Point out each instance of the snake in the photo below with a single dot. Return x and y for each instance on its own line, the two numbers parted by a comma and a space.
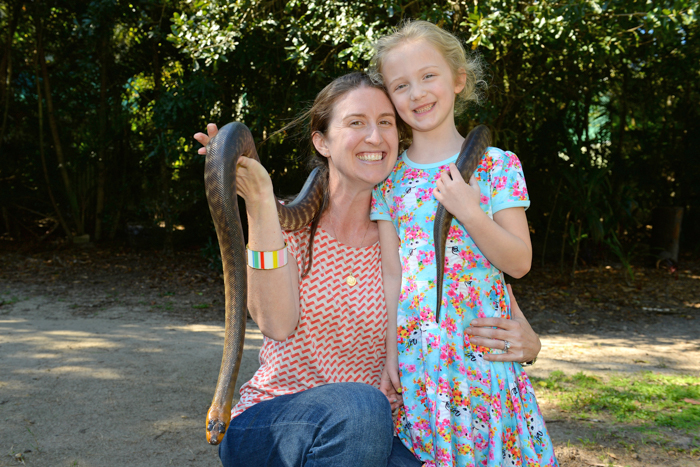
235, 140
473, 147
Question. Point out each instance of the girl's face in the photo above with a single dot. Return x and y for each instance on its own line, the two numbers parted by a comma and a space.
361, 142
421, 85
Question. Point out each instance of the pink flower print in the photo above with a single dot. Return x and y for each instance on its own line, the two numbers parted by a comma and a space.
484, 199
432, 342
423, 195
426, 258
499, 183
479, 442
443, 456
398, 204
486, 164
455, 234
449, 324
415, 233
513, 161
412, 173
469, 257
408, 368
427, 314
462, 369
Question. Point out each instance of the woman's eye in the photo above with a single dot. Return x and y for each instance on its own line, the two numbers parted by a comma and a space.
355, 123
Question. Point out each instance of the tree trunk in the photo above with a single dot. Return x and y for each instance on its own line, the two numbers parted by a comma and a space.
101, 148
54, 131
6, 68
61, 220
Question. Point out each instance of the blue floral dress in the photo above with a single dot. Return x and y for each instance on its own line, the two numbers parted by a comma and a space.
459, 409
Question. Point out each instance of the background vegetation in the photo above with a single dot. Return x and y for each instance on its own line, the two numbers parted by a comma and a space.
99, 101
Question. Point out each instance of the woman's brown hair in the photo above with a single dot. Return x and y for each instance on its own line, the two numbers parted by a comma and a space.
317, 119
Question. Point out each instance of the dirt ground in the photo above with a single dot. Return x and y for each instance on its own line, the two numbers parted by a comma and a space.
109, 356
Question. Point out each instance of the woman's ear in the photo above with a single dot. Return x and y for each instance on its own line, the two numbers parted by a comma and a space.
320, 143
460, 80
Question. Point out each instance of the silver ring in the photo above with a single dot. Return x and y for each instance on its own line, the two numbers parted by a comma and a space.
506, 346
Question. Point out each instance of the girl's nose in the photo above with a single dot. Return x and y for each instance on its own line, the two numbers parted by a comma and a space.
417, 92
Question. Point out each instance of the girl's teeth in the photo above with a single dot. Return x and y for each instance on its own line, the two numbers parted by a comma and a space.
424, 109
370, 156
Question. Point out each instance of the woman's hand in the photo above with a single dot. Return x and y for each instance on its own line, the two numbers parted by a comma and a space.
254, 185
203, 139
524, 342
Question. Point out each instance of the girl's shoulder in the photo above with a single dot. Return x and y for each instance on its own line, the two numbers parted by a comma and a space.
496, 159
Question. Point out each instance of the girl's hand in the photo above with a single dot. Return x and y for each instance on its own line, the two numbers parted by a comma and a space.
461, 199
390, 384
203, 139
524, 342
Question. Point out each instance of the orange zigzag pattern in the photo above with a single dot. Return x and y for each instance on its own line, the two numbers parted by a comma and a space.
341, 332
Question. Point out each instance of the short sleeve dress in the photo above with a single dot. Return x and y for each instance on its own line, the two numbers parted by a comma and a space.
459, 409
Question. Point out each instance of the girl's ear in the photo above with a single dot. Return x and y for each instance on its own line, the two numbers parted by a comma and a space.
320, 143
460, 80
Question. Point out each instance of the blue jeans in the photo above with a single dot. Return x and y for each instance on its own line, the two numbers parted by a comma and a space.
339, 424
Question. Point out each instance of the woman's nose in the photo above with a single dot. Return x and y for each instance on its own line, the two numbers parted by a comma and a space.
374, 136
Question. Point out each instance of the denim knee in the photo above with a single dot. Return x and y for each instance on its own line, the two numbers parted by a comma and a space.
358, 421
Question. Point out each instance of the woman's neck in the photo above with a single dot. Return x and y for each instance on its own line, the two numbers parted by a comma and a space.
347, 216
435, 145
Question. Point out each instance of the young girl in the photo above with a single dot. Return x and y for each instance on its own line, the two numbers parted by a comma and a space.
459, 408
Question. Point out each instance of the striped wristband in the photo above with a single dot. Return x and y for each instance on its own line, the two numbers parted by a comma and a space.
267, 259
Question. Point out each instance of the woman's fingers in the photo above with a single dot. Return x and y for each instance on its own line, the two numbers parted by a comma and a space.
203, 139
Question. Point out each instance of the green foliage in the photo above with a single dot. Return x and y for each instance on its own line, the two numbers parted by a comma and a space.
646, 398
598, 99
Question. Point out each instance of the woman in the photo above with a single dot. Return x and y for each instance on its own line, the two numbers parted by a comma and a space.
325, 320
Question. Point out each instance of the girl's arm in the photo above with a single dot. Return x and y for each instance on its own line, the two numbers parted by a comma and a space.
505, 240
391, 274
277, 314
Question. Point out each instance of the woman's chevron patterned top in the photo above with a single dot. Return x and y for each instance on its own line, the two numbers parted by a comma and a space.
341, 332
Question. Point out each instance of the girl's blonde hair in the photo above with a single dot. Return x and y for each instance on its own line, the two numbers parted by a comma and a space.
448, 45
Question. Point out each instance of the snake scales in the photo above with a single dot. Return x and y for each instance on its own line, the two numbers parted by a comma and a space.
233, 141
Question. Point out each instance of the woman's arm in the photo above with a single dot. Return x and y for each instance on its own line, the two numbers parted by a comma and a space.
273, 294
504, 241
277, 314
525, 345
391, 275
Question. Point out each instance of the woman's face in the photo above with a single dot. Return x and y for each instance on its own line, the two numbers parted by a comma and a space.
361, 142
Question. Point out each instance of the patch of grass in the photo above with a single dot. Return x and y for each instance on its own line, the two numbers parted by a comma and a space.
201, 306
647, 398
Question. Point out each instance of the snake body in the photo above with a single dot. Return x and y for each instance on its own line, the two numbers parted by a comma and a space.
473, 148
233, 141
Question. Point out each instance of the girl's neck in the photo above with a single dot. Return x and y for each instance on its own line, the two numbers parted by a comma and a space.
436, 145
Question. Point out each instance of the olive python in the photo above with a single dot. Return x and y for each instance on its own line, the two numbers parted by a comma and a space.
234, 140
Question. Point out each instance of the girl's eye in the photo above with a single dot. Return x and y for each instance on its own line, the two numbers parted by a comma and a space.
429, 75
399, 87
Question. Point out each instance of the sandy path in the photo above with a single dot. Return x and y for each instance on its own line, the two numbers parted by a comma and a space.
126, 386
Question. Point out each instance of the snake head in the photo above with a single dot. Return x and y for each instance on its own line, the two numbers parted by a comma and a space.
217, 421
215, 431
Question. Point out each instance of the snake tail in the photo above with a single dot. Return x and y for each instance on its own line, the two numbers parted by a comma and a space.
234, 140
474, 146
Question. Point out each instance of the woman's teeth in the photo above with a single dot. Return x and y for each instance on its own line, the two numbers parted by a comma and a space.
370, 156
425, 108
